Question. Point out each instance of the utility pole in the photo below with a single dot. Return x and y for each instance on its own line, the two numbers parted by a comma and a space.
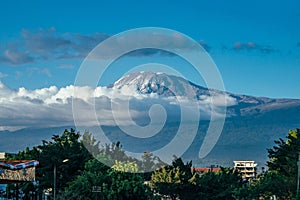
54, 182
298, 177
54, 178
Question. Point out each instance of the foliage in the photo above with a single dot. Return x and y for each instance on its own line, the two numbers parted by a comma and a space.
283, 164
149, 164
90, 143
82, 172
66, 147
281, 177
180, 181
84, 177
129, 167
221, 185
113, 183
175, 181
273, 183
94, 175
125, 185
115, 152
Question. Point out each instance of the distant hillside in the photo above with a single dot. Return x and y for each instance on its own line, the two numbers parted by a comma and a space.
14, 141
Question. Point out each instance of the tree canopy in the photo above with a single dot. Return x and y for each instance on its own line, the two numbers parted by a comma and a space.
106, 173
283, 160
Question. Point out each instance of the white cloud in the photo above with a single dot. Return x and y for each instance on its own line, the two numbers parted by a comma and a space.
218, 99
52, 106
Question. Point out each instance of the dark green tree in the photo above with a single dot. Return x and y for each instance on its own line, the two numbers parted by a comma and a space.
126, 184
86, 185
273, 183
284, 156
90, 143
98, 181
281, 177
149, 164
65, 147
282, 165
114, 152
175, 181
220, 185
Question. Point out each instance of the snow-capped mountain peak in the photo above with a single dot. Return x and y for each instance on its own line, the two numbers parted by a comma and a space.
159, 83
169, 85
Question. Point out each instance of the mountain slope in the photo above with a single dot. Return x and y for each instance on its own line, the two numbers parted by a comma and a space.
169, 85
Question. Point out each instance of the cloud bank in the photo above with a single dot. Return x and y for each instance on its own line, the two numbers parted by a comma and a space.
52, 106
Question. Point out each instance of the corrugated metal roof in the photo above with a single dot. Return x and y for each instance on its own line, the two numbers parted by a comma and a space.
18, 164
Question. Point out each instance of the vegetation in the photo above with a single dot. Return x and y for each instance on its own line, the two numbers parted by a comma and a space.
281, 177
84, 177
175, 181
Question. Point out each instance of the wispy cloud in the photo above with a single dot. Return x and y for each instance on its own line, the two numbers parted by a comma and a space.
45, 44
16, 57
205, 45
49, 44
251, 46
40, 71
66, 66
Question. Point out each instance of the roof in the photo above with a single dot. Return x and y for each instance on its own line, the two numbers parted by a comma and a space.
18, 164
207, 169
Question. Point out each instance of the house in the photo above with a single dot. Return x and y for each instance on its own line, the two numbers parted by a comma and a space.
15, 171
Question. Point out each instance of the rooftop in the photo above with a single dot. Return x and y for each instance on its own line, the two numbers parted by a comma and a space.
18, 164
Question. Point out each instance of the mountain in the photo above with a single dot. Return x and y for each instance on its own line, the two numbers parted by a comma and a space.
169, 85
161, 84
251, 125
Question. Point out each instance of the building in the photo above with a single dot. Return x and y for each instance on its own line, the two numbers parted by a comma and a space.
16, 172
2, 155
246, 168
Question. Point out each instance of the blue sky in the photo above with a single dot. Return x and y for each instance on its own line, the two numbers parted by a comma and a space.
255, 44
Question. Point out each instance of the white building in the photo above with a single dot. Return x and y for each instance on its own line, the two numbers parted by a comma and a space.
2, 155
246, 168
